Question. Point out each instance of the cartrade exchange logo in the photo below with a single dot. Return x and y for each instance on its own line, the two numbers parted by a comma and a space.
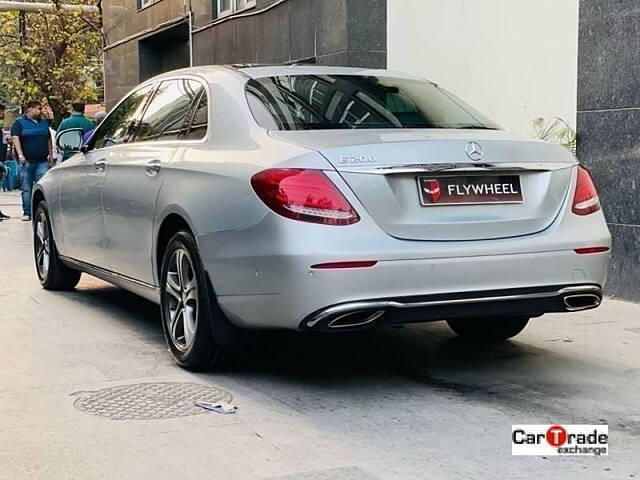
560, 440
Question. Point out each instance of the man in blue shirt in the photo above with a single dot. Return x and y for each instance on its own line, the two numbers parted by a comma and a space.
32, 144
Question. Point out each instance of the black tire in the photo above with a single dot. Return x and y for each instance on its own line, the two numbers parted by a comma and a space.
488, 329
194, 347
53, 274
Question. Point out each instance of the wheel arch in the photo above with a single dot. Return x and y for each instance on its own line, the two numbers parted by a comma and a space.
224, 331
171, 223
38, 196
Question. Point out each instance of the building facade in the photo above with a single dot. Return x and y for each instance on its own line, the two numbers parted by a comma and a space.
147, 37
514, 60
609, 127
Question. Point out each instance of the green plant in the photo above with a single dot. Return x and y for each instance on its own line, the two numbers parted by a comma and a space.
51, 56
556, 130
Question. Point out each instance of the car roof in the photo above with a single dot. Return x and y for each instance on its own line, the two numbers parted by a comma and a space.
262, 71
277, 70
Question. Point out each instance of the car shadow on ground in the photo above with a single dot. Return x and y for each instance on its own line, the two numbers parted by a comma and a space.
427, 357
383, 349
126, 307
415, 362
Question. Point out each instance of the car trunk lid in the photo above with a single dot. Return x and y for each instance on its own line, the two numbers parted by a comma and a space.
383, 169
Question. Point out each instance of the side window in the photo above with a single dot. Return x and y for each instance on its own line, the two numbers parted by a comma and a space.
167, 113
199, 121
123, 121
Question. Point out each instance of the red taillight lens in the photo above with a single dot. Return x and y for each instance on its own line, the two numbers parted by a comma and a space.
586, 200
305, 195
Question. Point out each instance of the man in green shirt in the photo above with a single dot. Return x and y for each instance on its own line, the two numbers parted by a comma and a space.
76, 120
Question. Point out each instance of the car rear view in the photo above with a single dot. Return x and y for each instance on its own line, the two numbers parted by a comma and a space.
422, 210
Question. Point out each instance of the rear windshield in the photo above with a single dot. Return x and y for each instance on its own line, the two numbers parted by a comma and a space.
316, 102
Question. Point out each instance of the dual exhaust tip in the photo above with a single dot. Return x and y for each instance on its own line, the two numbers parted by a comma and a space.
355, 319
364, 318
581, 301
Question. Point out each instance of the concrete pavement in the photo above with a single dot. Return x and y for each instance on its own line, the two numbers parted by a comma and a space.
413, 403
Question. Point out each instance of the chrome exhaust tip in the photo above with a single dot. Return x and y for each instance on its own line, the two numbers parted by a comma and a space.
355, 319
582, 301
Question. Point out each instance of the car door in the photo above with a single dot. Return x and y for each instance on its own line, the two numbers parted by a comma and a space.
135, 175
81, 208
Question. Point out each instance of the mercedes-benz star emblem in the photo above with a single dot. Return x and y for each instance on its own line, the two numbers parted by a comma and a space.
474, 151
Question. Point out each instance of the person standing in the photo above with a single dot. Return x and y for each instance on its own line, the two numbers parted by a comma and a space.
4, 171
33, 146
3, 151
76, 120
7, 175
10, 164
3, 143
97, 120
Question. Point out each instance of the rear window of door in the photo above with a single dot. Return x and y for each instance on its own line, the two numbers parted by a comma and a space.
118, 127
168, 113
199, 119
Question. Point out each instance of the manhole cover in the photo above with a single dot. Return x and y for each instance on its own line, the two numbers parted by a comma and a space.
149, 401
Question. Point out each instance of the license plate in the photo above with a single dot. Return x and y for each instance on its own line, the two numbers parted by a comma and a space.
469, 189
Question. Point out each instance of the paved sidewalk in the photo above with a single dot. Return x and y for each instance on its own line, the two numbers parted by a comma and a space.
11, 201
415, 403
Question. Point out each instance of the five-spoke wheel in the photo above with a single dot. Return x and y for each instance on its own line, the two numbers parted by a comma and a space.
41, 244
53, 274
188, 306
182, 299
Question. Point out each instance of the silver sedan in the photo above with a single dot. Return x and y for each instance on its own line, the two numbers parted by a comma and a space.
318, 199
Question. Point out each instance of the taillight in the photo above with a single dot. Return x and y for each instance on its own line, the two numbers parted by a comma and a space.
305, 195
585, 200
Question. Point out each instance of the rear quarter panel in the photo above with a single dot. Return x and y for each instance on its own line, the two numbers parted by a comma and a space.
209, 184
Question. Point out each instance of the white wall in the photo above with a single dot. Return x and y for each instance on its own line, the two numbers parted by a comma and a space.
512, 59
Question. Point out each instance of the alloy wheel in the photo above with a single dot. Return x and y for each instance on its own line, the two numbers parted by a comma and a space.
43, 245
181, 300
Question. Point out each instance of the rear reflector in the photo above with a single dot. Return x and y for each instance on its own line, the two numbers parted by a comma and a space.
305, 195
336, 265
586, 251
585, 200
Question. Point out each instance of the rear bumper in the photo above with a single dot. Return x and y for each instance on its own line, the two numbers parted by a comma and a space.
263, 278
289, 294
393, 311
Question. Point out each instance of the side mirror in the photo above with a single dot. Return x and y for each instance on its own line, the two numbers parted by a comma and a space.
70, 140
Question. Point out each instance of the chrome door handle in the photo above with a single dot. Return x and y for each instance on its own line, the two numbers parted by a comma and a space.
100, 165
153, 167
